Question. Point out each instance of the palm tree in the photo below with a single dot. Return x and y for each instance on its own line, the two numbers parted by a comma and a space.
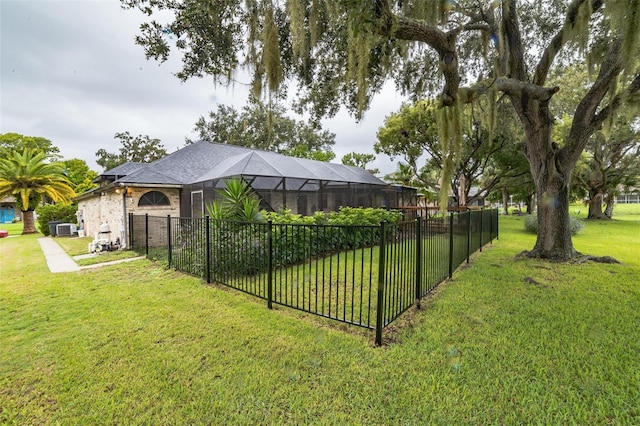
28, 178
239, 202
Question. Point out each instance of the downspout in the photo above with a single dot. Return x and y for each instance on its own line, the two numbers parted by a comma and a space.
123, 242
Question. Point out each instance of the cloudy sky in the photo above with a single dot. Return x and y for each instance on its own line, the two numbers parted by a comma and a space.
71, 72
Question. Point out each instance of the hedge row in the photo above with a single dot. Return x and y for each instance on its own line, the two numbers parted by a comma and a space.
242, 248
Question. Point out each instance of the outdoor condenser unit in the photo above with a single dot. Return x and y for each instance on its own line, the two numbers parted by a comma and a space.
66, 229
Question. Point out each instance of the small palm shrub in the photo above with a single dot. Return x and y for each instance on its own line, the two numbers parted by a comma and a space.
531, 224
238, 202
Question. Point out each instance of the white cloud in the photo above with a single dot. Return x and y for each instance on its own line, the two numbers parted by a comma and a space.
71, 72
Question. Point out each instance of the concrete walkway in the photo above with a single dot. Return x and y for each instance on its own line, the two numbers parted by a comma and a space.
59, 261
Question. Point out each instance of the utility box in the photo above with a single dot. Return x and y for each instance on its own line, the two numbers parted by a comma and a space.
66, 229
52, 227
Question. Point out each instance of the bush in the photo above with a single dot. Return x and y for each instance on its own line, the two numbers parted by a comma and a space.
241, 247
531, 224
50, 212
354, 228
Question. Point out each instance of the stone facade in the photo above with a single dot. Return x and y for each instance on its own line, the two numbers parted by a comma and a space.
113, 207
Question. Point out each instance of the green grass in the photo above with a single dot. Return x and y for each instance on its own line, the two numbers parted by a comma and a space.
13, 228
505, 342
108, 256
74, 246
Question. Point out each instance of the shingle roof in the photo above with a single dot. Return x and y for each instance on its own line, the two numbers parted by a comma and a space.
124, 169
203, 161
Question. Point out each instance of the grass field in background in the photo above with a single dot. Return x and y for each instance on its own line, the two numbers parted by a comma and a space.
13, 228
505, 341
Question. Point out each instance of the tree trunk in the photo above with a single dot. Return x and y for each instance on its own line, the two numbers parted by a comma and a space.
554, 226
610, 200
551, 168
505, 200
29, 226
595, 206
530, 199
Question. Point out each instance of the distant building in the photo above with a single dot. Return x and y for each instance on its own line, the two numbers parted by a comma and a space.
9, 211
631, 196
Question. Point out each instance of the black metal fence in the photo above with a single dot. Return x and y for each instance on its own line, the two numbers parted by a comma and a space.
361, 275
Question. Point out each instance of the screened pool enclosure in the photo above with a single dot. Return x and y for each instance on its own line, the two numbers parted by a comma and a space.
301, 185
189, 179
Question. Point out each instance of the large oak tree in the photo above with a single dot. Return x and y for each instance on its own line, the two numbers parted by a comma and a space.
18, 142
412, 133
340, 52
611, 159
138, 149
265, 127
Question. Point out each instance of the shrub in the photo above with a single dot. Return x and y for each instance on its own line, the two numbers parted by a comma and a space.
50, 212
240, 248
238, 202
531, 224
356, 228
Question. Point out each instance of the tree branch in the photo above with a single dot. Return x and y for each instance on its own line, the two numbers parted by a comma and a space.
513, 40
585, 121
605, 112
559, 40
514, 87
404, 28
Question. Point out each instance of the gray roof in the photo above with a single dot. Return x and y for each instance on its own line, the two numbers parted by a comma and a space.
123, 170
204, 161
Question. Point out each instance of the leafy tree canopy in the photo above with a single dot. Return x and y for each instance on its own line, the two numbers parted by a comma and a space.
17, 142
79, 174
359, 160
265, 127
341, 53
485, 158
611, 159
139, 149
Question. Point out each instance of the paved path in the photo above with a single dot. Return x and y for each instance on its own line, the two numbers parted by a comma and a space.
59, 261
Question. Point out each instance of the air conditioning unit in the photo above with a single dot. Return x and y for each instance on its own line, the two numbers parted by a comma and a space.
66, 229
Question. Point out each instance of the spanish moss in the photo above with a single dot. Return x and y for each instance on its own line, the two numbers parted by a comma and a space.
450, 134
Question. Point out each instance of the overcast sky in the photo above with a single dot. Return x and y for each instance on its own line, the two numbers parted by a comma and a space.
71, 72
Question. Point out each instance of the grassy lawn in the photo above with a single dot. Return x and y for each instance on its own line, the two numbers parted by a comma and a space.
505, 342
13, 228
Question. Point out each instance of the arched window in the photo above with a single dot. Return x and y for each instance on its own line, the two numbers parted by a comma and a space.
153, 198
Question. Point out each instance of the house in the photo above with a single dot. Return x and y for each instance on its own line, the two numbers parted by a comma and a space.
628, 196
185, 182
8, 210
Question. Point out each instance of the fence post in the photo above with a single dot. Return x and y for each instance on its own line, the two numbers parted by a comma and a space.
146, 234
481, 220
418, 260
491, 217
270, 264
169, 240
207, 239
469, 216
131, 231
450, 244
381, 274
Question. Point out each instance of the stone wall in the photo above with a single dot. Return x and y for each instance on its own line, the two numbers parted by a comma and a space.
112, 208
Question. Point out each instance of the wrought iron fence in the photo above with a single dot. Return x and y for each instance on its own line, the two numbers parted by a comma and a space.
362, 275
